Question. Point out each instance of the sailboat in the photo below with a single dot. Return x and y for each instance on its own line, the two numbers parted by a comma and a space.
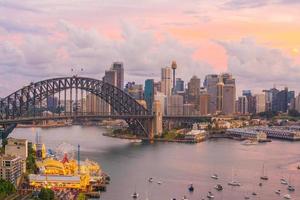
290, 186
232, 182
135, 195
264, 177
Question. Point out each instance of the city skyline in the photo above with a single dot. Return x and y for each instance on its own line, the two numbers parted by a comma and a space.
203, 37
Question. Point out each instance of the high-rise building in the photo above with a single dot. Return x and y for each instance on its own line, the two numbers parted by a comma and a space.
203, 103
243, 105
157, 87
220, 92
297, 102
52, 103
179, 85
174, 105
162, 99
17, 147
174, 67
110, 77
118, 67
282, 100
260, 103
11, 168
210, 83
193, 89
149, 93
229, 94
166, 81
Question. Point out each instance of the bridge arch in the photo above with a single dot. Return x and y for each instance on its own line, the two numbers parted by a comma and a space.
23, 102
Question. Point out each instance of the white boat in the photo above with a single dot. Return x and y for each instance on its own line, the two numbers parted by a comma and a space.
278, 192
287, 196
184, 198
135, 141
232, 182
150, 180
135, 195
264, 176
159, 182
210, 195
215, 176
283, 181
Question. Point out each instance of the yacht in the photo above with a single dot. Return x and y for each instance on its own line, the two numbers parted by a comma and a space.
135, 195
264, 176
234, 183
278, 192
191, 188
184, 198
287, 196
150, 180
291, 188
210, 195
219, 187
159, 182
283, 181
215, 176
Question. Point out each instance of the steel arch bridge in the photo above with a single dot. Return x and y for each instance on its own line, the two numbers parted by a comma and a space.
24, 104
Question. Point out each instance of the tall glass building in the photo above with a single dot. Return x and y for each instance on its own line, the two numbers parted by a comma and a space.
149, 93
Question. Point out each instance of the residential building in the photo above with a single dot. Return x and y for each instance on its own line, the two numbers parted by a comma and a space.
174, 105
11, 168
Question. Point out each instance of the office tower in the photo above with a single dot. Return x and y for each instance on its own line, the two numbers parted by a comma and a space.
179, 85
246, 93
229, 94
189, 109
210, 83
297, 102
193, 89
110, 77
268, 98
242, 105
157, 87
220, 91
273, 92
260, 103
162, 99
282, 100
158, 113
174, 67
203, 103
166, 81
291, 100
174, 105
149, 93
118, 67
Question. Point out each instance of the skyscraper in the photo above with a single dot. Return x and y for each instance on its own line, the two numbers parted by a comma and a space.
242, 105
149, 93
220, 91
166, 81
260, 103
229, 94
110, 77
179, 87
118, 67
210, 83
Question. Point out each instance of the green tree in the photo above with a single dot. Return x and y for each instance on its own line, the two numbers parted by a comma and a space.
6, 188
81, 196
46, 194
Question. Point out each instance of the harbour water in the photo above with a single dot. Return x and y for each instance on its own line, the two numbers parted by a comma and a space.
178, 165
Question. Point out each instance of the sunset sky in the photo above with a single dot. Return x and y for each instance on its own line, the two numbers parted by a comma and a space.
258, 41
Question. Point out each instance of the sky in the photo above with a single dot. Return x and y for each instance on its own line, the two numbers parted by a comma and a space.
258, 41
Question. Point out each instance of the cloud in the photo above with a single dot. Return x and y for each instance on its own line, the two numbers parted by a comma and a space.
257, 65
20, 27
244, 4
39, 57
10, 4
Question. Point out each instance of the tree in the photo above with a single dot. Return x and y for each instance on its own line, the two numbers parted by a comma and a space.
46, 194
6, 188
81, 196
